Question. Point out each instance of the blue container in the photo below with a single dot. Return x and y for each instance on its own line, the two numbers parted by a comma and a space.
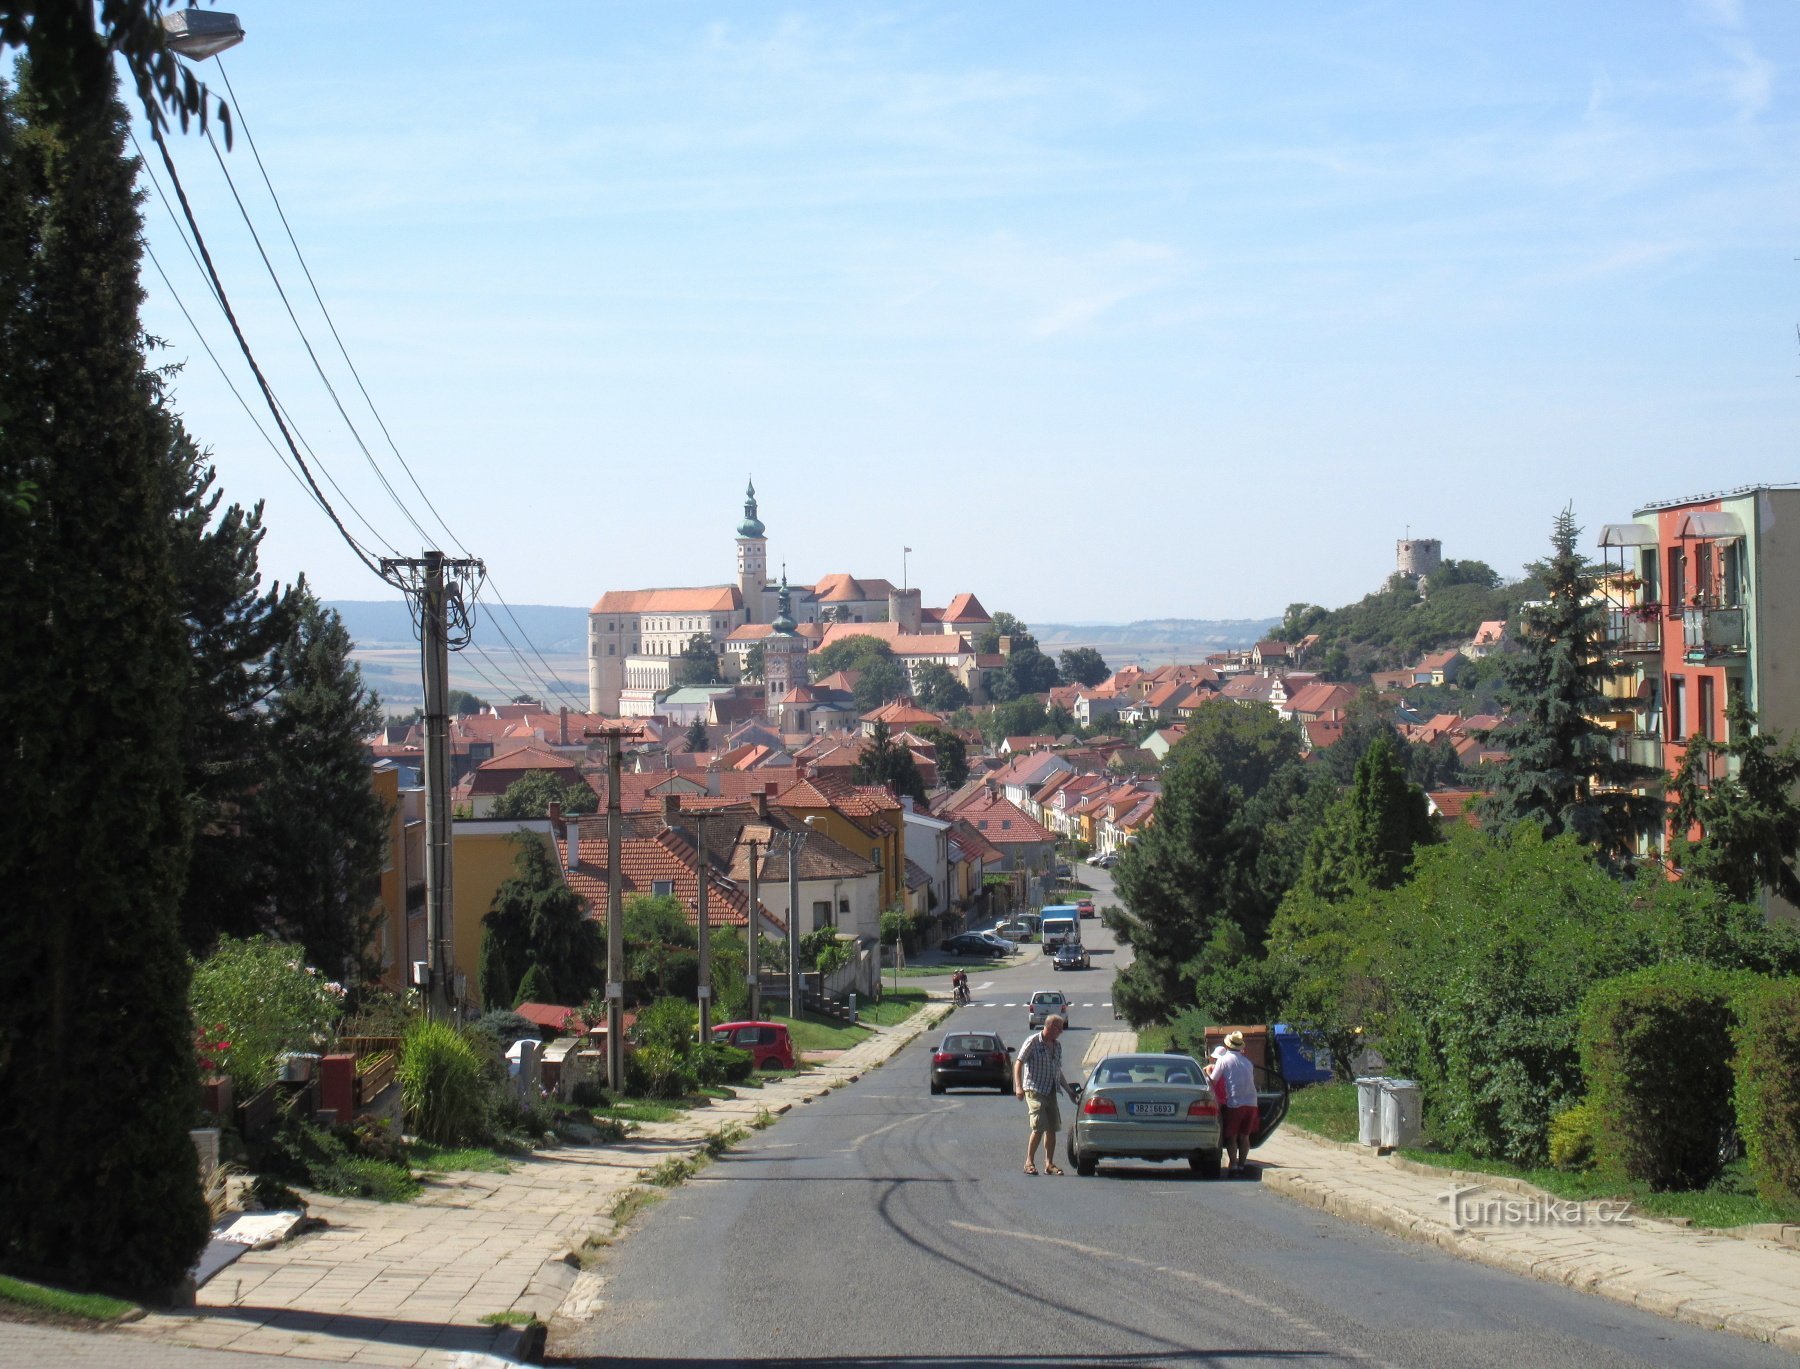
1304, 1060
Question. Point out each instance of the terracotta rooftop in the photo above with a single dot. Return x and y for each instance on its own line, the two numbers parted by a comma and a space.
702, 599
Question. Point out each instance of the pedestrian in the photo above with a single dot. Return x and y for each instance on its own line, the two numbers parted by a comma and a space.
1232, 1068
1038, 1078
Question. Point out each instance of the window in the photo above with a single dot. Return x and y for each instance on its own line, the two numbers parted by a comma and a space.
662, 887
610, 648
1703, 724
822, 913
1677, 706
1677, 579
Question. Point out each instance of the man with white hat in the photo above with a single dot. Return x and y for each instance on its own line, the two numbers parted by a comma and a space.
1232, 1068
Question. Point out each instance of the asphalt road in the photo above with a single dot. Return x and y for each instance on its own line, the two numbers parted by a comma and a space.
881, 1225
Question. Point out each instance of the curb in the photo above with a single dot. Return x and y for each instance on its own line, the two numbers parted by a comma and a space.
1694, 1310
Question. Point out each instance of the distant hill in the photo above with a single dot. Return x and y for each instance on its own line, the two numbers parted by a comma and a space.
1154, 641
551, 627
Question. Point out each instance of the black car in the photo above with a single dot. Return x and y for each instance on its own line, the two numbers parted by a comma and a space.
1071, 955
971, 1060
970, 943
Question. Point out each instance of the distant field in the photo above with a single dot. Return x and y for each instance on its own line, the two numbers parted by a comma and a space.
393, 673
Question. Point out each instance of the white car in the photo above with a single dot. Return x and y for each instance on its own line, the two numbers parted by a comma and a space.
994, 939
1045, 1002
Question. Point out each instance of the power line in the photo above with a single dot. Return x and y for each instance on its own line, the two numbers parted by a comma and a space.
553, 686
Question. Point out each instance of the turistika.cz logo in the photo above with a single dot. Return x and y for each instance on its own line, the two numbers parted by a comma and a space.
1472, 1205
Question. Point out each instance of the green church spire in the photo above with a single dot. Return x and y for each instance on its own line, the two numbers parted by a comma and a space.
752, 525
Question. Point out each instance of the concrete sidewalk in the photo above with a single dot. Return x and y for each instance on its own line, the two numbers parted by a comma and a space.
406, 1284
1745, 1285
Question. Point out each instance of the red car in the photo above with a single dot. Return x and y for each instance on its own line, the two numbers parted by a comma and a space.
1085, 907
769, 1044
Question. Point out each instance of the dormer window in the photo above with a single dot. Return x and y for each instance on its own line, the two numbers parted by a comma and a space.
662, 888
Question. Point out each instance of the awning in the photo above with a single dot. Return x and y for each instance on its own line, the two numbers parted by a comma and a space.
1714, 525
1627, 535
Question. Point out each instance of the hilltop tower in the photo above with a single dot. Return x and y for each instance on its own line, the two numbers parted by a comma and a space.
752, 559
1416, 558
784, 655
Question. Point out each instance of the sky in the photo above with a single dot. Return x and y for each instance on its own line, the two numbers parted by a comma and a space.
1107, 312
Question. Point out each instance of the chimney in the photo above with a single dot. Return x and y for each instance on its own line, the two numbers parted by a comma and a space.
671, 809
556, 816
572, 846
759, 804
1006, 646
562, 727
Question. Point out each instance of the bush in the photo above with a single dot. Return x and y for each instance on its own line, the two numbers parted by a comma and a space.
1656, 1052
668, 1022
1768, 1088
658, 1072
505, 1027
443, 1087
1572, 1138
715, 1063
268, 1002
322, 1160
535, 987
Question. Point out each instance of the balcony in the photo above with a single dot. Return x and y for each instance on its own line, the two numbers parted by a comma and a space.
1639, 748
1631, 630
1709, 633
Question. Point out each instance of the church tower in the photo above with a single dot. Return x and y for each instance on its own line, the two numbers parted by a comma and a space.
752, 559
784, 656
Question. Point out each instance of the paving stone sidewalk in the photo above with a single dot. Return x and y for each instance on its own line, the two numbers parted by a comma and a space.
1745, 1285
405, 1284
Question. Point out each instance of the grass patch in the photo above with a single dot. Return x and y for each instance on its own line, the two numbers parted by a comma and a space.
436, 1159
1155, 1040
641, 1110
895, 1007
1327, 1110
819, 1034
59, 1303
630, 1203
507, 1318
727, 1136
763, 1118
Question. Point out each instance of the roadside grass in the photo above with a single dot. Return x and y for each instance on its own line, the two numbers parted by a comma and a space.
507, 1318
1155, 1040
642, 1110
942, 968
435, 1159
630, 1203
1329, 1110
56, 1303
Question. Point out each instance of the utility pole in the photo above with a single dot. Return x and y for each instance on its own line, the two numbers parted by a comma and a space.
614, 735
796, 840
753, 971
703, 870
441, 610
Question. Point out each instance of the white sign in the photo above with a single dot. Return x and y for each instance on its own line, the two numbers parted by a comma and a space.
615, 989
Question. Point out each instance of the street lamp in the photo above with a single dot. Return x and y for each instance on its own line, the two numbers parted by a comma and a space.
198, 34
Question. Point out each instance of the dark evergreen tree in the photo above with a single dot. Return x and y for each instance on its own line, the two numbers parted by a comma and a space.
537, 921
952, 754
94, 1192
1369, 834
318, 822
884, 762
1747, 818
696, 738
234, 628
698, 663
1561, 771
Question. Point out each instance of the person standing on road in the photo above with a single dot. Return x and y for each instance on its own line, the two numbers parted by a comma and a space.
1232, 1067
1038, 1078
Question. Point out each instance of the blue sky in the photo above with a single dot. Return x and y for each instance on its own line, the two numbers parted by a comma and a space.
1107, 312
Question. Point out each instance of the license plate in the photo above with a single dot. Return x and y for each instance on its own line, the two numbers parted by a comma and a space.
970, 1060
1151, 1109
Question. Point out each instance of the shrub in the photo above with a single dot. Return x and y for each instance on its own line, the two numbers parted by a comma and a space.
322, 1160
267, 1000
505, 1027
442, 1085
1768, 1088
535, 987
1656, 1051
1572, 1138
658, 1072
715, 1063
668, 1022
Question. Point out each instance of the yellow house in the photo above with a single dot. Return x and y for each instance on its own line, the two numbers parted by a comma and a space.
400, 905
864, 819
483, 856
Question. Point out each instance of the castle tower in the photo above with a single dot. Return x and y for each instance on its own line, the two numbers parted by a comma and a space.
1416, 558
784, 656
752, 558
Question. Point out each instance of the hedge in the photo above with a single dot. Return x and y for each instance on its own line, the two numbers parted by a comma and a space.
1656, 1048
1767, 1095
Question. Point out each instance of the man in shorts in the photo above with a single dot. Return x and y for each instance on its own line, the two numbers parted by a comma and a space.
1038, 1078
1232, 1068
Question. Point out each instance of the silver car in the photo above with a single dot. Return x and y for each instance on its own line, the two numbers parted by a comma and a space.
1044, 1003
1147, 1107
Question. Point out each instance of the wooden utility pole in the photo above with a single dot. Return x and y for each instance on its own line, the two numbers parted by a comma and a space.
703, 869
796, 840
753, 970
614, 735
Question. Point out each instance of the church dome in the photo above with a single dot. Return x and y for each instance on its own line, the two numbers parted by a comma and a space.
752, 525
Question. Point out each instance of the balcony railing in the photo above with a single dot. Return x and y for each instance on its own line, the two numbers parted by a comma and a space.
1639, 748
1634, 629
1710, 632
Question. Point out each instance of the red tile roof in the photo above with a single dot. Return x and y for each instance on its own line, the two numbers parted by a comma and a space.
966, 608
843, 588
703, 599
646, 857
1002, 821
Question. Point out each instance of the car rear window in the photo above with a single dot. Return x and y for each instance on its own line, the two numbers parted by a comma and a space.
969, 1043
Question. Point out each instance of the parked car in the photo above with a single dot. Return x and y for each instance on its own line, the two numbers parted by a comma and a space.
969, 943
1085, 906
1061, 870
1147, 1107
974, 1060
1097, 858
995, 939
1107, 861
1045, 1002
769, 1044
1071, 955
1015, 930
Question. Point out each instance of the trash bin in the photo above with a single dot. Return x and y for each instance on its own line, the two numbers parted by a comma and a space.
1399, 1113
1368, 1111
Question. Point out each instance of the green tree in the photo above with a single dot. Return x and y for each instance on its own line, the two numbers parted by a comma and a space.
462, 704
1083, 665
698, 663
936, 687
93, 979
536, 919
696, 739
884, 762
319, 823
753, 664
531, 795
952, 753
1748, 819
234, 628
987, 641
879, 682
1014, 718
848, 653
1561, 772
1028, 671
661, 947
1369, 834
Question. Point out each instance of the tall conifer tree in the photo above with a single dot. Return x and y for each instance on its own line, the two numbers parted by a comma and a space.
1561, 771
98, 1186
